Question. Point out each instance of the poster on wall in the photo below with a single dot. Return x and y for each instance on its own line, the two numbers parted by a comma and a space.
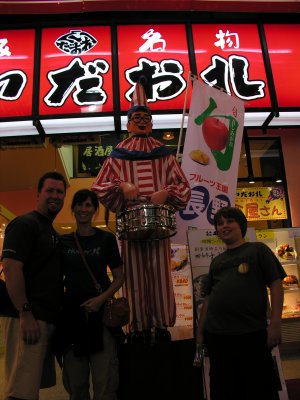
262, 203
76, 70
159, 58
16, 72
183, 292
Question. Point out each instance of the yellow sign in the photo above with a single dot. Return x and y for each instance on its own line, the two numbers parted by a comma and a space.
6, 213
265, 234
262, 203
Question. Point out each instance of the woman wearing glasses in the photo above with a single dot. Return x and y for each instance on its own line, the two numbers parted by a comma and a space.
142, 167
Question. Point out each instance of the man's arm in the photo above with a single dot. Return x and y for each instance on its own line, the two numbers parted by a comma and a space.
274, 328
14, 278
201, 322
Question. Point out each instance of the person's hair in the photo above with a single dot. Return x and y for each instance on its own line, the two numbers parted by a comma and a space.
83, 194
51, 175
234, 213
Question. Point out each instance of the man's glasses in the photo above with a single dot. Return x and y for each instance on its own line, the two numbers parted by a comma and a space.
138, 118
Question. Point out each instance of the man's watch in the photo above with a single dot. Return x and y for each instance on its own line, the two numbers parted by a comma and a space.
26, 308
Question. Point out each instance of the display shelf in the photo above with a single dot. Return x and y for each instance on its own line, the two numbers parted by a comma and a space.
291, 290
286, 247
291, 330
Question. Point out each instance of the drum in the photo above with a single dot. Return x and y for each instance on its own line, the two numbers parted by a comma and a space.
146, 222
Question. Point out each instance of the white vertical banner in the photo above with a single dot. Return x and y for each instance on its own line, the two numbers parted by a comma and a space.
211, 156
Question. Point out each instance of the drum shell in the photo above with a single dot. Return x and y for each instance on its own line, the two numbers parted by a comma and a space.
146, 222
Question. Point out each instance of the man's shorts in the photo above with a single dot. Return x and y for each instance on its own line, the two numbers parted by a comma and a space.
27, 367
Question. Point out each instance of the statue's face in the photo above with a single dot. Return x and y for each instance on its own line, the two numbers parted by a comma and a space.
139, 123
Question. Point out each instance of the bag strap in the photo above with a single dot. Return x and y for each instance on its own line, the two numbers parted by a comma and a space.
96, 283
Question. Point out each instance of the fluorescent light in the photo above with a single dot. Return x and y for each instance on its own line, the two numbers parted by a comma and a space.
255, 119
287, 119
162, 121
252, 119
78, 125
17, 128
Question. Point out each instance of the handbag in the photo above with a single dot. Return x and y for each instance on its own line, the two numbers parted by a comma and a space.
116, 311
6, 306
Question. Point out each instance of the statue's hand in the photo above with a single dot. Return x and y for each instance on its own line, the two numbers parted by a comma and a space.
159, 197
130, 191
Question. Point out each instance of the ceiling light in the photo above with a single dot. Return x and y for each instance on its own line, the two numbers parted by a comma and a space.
168, 136
78, 125
287, 119
18, 128
251, 180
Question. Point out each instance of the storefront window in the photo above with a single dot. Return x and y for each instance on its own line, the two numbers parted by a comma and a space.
262, 173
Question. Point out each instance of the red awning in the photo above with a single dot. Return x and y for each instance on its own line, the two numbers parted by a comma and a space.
82, 6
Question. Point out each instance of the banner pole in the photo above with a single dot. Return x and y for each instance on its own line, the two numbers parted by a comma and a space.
191, 77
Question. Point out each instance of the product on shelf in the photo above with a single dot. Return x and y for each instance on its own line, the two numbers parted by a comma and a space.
290, 281
286, 252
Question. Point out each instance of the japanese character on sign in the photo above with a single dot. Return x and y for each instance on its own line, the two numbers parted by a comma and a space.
200, 202
164, 79
84, 78
198, 178
12, 84
235, 72
228, 39
76, 42
4, 50
152, 40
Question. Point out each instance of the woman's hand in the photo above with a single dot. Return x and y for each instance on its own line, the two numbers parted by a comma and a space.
93, 304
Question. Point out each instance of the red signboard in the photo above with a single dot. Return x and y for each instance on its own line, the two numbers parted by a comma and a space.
229, 56
284, 52
76, 70
158, 54
16, 72
76, 66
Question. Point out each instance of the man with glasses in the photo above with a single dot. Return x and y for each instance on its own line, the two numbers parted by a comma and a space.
142, 167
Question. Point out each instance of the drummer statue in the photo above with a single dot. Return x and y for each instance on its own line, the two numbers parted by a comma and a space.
142, 167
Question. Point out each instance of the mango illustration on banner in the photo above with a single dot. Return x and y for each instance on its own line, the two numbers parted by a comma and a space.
217, 135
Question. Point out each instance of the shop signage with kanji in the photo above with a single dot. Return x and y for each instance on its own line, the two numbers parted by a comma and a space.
72, 67
160, 57
262, 203
16, 72
76, 70
230, 57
